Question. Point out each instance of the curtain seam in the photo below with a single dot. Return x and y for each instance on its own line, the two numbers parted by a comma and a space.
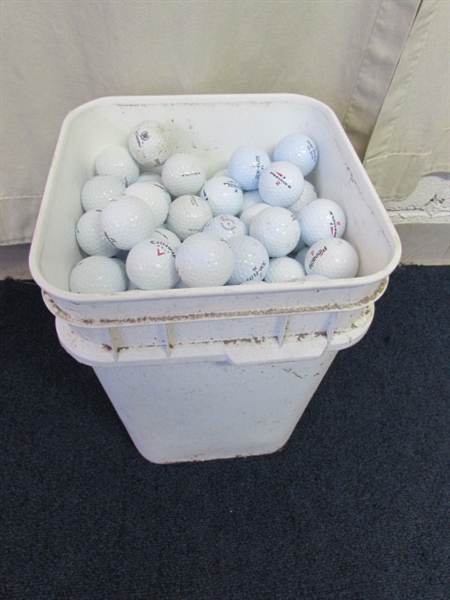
355, 85
407, 83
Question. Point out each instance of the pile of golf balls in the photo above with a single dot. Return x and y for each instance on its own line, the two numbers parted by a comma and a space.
257, 220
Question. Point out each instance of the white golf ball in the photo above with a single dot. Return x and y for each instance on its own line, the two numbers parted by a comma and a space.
165, 235
277, 229
309, 194
300, 245
117, 161
90, 235
188, 214
99, 190
301, 255
224, 195
149, 144
249, 213
251, 260
281, 184
226, 226
320, 219
127, 220
204, 260
246, 165
183, 174
151, 265
153, 194
223, 172
299, 149
284, 270
249, 199
150, 176
98, 274
334, 258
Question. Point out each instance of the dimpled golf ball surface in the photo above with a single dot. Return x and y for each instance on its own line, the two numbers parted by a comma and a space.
284, 270
251, 260
99, 190
224, 195
299, 149
320, 219
334, 258
153, 194
90, 235
301, 255
117, 161
150, 177
251, 198
249, 213
188, 214
204, 260
281, 184
149, 144
98, 274
246, 164
150, 265
183, 174
127, 220
309, 194
277, 229
165, 235
226, 226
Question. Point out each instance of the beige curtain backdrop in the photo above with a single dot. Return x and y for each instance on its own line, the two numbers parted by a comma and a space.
381, 65
411, 137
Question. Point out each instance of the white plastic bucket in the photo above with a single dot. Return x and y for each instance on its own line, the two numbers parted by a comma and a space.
213, 401
211, 372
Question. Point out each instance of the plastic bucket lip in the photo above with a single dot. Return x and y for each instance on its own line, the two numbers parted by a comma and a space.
204, 291
39, 237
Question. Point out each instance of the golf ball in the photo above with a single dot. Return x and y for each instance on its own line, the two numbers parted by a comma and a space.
150, 265
249, 213
251, 198
188, 214
320, 219
153, 194
284, 270
281, 184
149, 144
99, 190
299, 149
160, 233
204, 260
90, 235
277, 229
226, 226
308, 195
183, 174
334, 258
224, 195
127, 220
117, 161
98, 274
251, 260
246, 165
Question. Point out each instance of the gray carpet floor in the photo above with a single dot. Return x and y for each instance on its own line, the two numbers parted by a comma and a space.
355, 507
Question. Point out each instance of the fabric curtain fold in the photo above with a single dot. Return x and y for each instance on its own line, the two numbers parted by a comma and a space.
382, 66
411, 137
